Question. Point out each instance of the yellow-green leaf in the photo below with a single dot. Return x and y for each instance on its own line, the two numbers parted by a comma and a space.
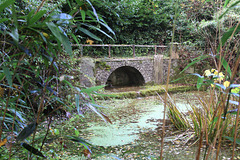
3, 142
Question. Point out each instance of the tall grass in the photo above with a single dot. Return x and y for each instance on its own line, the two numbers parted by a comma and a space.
167, 83
201, 123
216, 118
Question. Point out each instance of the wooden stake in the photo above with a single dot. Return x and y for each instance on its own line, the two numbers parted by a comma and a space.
155, 49
109, 51
133, 46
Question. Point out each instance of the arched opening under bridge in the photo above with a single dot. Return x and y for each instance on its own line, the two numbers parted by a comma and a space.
125, 76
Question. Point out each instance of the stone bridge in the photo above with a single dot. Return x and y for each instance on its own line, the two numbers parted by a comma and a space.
133, 71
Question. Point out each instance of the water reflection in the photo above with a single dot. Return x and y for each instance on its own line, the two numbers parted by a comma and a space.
125, 89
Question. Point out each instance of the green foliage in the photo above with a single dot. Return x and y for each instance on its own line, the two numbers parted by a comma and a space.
135, 22
232, 139
26, 132
227, 35
34, 39
32, 149
150, 22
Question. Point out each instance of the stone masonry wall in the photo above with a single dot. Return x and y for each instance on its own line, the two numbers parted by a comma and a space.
143, 65
174, 65
101, 70
86, 76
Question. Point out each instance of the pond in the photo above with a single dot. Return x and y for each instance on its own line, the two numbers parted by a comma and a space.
136, 128
125, 89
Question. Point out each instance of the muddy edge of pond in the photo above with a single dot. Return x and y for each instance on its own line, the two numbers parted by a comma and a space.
145, 91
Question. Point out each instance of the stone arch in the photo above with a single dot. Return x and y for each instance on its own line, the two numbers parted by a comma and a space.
125, 76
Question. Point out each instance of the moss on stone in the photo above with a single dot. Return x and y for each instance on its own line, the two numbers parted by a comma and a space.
152, 91
102, 65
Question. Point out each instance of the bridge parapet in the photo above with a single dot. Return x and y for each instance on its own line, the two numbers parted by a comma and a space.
119, 45
144, 65
131, 71
152, 69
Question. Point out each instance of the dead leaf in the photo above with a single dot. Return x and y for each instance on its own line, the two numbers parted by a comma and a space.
87, 153
1, 91
89, 41
3, 142
106, 118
